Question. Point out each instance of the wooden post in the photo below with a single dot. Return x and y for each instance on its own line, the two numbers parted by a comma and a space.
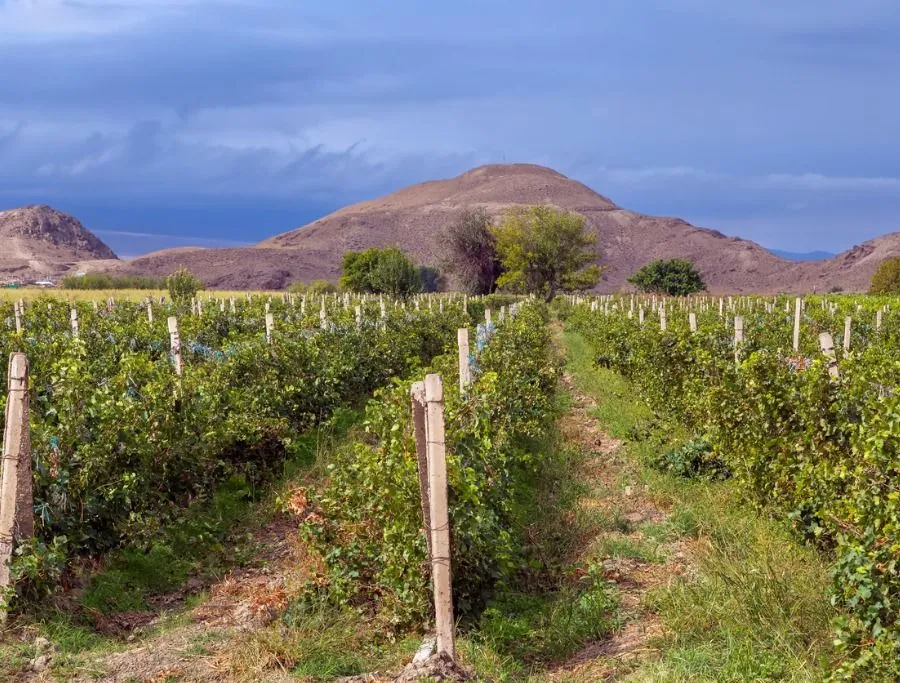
738, 336
663, 324
73, 317
270, 327
692, 321
231, 302
175, 344
358, 317
462, 341
487, 315
826, 343
150, 312
16, 504
18, 313
439, 515
798, 308
417, 394
848, 321
878, 319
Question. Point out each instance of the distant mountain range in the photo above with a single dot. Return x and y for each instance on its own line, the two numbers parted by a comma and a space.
803, 256
45, 242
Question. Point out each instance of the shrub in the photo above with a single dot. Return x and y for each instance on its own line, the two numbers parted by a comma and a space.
675, 277
183, 286
886, 279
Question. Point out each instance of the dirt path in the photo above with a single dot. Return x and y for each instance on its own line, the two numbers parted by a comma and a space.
630, 541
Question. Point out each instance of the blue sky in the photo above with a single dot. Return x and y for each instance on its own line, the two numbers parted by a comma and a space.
166, 122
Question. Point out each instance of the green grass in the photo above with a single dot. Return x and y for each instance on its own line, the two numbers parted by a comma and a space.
754, 606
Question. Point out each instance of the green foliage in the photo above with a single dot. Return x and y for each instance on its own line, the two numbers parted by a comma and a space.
550, 627
380, 271
693, 459
824, 454
470, 252
183, 286
545, 251
675, 277
122, 446
368, 524
315, 287
431, 279
107, 281
886, 279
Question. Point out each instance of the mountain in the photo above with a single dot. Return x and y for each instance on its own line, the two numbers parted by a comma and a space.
39, 241
803, 256
413, 219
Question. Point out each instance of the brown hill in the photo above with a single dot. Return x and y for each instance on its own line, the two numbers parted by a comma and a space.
38, 241
414, 217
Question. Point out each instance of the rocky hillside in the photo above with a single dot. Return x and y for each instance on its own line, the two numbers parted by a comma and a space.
39, 242
414, 217
44, 241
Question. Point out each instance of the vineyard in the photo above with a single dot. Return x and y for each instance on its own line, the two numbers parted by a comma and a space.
795, 400
143, 416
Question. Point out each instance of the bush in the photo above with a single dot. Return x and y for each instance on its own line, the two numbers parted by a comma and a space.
107, 281
183, 286
380, 271
675, 277
886, 279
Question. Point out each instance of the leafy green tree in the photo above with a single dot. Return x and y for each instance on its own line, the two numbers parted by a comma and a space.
183, 286
675, 277
886, 279
544, 251
380, 271
470, 252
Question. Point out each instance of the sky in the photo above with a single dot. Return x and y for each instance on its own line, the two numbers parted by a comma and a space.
171, 122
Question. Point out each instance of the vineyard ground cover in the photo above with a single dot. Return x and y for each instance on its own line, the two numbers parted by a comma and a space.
727, 595
172, 608
29, 294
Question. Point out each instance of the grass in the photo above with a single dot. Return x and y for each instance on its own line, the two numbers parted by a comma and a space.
31, 293
754, 606
210, 538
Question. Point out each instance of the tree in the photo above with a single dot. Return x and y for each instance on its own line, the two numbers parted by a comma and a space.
886, 279
675, 277
431, 279
544, 251
183, 286
380, 271
471, 252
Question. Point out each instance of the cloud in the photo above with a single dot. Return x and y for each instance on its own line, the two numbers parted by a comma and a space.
334, 102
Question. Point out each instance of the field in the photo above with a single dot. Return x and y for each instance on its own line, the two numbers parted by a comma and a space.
637, 491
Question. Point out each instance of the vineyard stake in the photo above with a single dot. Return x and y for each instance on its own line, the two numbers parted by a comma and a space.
16, 504
73, 317
439, 515
798, 307
150, 312
462, 341
175, 344
692, 321
848, 321
738, 337
826, 343
417, 394
270, 327
18, 313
